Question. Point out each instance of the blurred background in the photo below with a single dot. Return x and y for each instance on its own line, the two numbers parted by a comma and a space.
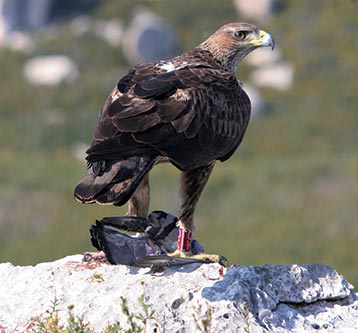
288, 195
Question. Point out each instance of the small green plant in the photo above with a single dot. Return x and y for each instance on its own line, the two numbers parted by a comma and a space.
96, 277
142, 317
134, 327
204, 324
246, 314
148, 314
76, 324
49, 322
113, 328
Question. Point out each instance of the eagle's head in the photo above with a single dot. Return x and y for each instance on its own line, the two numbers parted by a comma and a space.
233, 41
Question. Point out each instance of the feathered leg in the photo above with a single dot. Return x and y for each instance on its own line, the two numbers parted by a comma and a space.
192, 183
138, 204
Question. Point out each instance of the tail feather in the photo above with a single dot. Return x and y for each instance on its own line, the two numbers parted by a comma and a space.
116, 183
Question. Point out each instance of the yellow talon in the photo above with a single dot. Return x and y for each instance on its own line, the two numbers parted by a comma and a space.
210, 258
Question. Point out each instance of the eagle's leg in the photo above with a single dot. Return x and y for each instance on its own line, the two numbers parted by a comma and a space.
138, 204
192, 183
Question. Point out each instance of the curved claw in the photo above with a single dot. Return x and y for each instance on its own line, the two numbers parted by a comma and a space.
223, 261
212, 258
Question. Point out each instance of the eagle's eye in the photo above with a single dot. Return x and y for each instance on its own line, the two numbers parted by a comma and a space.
240, 35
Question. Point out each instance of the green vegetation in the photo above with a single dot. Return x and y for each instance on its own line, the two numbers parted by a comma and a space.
204, 324
289, 195
50, 321
132, 318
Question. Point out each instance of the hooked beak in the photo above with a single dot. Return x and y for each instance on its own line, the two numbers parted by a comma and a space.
265, 40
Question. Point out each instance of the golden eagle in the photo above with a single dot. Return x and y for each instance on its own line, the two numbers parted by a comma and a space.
190, 111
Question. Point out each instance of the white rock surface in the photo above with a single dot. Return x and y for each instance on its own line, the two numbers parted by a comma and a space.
271, 298
50, 70
278, 76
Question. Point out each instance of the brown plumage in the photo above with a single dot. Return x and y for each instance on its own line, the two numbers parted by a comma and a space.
190, 110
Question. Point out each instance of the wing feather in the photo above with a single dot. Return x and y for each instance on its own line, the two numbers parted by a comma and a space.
170, 109
119, 109
139, 123
197, 109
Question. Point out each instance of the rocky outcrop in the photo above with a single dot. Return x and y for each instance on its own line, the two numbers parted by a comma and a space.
190, 298
50, 70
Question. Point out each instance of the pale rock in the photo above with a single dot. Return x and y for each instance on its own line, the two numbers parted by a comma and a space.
258, 10
19, 42
20, 15
78, 150
3, 23
257, 102
80, 25
279, 76
50, 70
271, 298
110, 31
263, 57
148, 37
